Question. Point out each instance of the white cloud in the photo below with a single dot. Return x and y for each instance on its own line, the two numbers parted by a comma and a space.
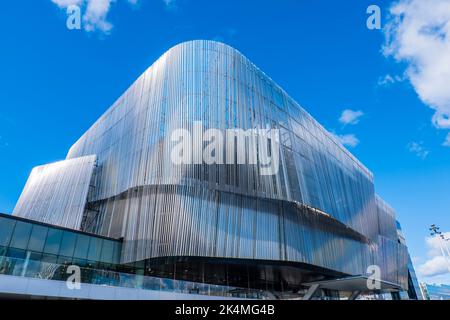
418, 149
350, 117
436, 265
438, 279
349, 140
66, 3
433, 267
447, 141
389, 79
416, 260
95, 12
386, 80
95, 15
418, 33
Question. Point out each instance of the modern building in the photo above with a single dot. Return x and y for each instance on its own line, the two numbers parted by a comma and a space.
435, 291
314, 228
414, 291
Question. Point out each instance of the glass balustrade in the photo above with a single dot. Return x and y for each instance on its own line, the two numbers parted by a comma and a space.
54, 271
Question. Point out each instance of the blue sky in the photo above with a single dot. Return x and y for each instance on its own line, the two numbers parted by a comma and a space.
55, 82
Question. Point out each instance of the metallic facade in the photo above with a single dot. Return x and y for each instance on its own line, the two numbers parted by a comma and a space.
320, 209
56, 193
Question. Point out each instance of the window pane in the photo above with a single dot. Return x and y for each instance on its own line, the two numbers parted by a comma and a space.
53, 241
107, 251
64, 260
68, 244
95, 249
116, 257
49, 258
80, 262
82, 247
21, 235
34, 266
6, 229
17, 253
36, 256
37, 239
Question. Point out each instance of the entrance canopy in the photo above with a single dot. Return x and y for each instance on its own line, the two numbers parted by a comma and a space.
354, 284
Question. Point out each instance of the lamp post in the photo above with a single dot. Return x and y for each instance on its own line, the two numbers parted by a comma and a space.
441, 238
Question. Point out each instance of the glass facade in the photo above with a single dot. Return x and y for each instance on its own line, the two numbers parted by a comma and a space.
23, 239
36, 250
319, 211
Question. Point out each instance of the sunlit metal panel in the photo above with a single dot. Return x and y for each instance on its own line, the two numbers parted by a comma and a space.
56, 193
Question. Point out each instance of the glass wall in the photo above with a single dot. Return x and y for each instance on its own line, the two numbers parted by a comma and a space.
29, 240
57, 271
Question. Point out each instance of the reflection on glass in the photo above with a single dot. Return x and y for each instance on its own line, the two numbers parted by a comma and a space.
6, 230
82, 247
21, 235
67, 244
53, 241
37, 239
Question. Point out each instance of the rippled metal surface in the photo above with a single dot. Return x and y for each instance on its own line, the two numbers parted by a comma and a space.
164, 209
56, 193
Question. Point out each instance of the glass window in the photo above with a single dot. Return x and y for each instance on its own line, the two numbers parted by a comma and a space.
53, 241
95, 249
117, 252
68, 244
80, 262
64, 260
49, 258
21, 235
82, 247
93, 264
35, 256
34, 266
107, 251
37, 239
6, 230
16, 253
